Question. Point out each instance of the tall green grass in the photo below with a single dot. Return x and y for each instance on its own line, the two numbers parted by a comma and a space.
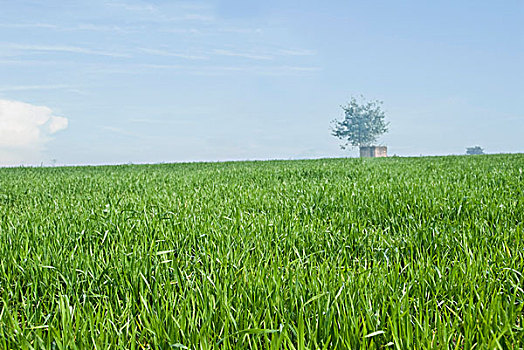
399, 253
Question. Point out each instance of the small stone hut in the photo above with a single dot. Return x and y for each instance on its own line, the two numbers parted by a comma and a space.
373, 151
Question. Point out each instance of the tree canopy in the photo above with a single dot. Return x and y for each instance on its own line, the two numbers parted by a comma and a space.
474, 150
363, 123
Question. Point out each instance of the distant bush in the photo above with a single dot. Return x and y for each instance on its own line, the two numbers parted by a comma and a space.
474, 150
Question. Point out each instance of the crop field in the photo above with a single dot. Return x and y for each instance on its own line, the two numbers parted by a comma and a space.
396, 253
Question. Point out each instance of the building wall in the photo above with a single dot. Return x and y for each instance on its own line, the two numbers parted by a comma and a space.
366, 152
381, 151
373, 151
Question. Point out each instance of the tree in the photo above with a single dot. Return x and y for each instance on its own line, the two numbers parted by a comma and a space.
474, 150
363, 123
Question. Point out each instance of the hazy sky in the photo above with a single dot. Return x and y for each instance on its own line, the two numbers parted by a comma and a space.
117, 81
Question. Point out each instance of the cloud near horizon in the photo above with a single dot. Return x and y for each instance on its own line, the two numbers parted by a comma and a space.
25, 129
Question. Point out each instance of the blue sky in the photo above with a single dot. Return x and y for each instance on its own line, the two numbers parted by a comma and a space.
117, 81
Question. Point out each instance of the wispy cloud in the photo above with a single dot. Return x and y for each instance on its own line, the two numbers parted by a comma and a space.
88, 27
216, 70
34, 87
132, 7
238, 30
208, 70
158, 121
248, 55
33, 63
65, 49
195, 17
187, 18
192, 31
258, 70
296, 52
120, 131
155, 13
158, 52
213, 30
28, 25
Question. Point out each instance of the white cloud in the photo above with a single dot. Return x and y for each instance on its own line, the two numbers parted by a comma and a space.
24, 131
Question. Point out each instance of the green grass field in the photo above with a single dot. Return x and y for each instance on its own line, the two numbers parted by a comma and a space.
396, 253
